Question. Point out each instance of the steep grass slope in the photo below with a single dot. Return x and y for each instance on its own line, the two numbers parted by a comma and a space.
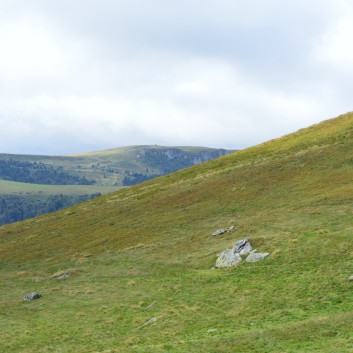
141, 259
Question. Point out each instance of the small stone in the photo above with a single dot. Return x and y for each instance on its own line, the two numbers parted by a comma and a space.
256, 256
210, 330
219, 232
227, 259
350, 278
63, 275
32, 296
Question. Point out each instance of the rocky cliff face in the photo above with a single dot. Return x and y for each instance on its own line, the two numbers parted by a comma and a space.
173, 159
207, 156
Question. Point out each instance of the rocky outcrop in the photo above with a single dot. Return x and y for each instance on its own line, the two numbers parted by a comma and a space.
168, 160
256, 256
32, 296
175, 153
242, 247
227, 258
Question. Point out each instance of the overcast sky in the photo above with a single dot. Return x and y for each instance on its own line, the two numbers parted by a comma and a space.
85, 75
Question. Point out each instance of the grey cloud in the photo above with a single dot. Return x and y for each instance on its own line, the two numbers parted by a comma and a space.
218, 73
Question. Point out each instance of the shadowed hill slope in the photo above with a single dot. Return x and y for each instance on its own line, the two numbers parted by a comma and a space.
141, 258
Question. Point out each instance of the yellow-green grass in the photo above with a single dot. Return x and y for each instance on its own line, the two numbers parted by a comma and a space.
12, 187
147, 253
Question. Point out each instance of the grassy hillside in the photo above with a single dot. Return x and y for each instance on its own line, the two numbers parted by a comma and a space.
141, 259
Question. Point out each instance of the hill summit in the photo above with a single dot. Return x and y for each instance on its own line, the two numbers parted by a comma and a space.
140, 261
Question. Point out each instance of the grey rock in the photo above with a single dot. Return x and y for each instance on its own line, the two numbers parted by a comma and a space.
246, 249
63, 275
223, 230
32, 296
350, 278
256, 256
219, 232
227, 259
240, 245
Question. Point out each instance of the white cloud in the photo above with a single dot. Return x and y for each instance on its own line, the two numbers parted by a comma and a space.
195, 101
335, 47
30, 51
216, 73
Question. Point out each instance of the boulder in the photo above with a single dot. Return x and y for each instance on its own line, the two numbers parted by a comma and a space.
242, 247
246, 249
227, 258
256, 256
31, 296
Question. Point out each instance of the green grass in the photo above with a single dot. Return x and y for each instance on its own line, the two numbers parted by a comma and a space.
146, 252
15, 188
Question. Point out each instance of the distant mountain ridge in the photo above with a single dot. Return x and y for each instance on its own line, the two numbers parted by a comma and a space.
99, 171
110, 167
